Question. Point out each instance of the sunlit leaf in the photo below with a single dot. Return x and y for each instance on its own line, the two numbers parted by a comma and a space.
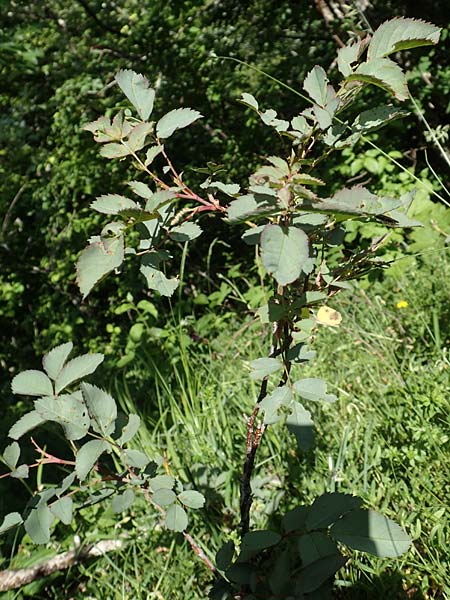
137, 89
176, 518
38, 524
122, 502
32, 383
102, 408
130, 429
284, 252
88, 456
27, 422
192, 499
383, 73
77, 368
11, 520
54, 360
300, 424
97, 260
401, 34
176, 119
112, 204
63, 509
68, 410
261, 367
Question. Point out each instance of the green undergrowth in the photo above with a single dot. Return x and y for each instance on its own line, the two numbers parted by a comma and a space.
385, 439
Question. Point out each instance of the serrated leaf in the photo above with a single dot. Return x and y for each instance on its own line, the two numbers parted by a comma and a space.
312, 388
102, 408
68, 410
383, 73
250, 101
156, 280
373, 119
315, 85
401, 34
176, 518
261, 367
348, 55
185, 232
281, 396
284, 251
230, 189
368, 531
135, 459
152, 153
11, 455
11, 520
54, 360
77, 368
314, 546
192, 499
38, 524
141, 189
328, 508
176, 119
137, 89
88, 455
164, 497
250, 205
63, 509
130, 429
138, 135
122, 502
112, 204
25, 424
32, 383
97, 260
300, 424
224, 556
114, 150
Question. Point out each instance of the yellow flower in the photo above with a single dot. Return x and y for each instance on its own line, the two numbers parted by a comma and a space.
402, 304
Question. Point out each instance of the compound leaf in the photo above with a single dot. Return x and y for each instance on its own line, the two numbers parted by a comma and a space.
313, 389
264, 366
135, 459
164, 497
185, 232
156, 280
112, 204
130, 429
123, 501
383, 73
315, 85
114, 150
11, 455
11, 520
68, 410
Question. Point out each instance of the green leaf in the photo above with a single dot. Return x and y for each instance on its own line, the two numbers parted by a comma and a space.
250, 101
11, 455
383, 73
284, 252
114, 150
38, 523
88, 456
68, 410
315, 574
300, 424
97, 260
122, 502
135, 459
137, 137
373, 119
25, 424
328, 508
65, 484
141, 189
348, 55
314, 546
130, 429
54, 360
112, 204
21, 472
255, 541
368, 531
156, 280
224, 556
137, 89
401, 34
192, 499
176, 518
281, 396
251, 205
264, 366
11, 520
101, 407
164, 497
77, 368
313, 389
162, 482
280, 578
230, 189
63, 509
32, 383
185, 232
315, 85
176, 119
295, 519
152, 153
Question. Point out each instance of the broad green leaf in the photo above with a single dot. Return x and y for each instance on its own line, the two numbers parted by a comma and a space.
373, 119
284, 251
11, 520
313, 389
176, 518
314, 546
112, 204
29, 421
185, 232
383, 73
63, 509
348, 55
176, 119
401, 34
252, 236
38, 524
141, 189
251, 205
97, 260
315, 574
21, 472
315, 85
300, 424
192, 499
77, 368
137, 89
295, 519
102, 409
114, 150
88, 456
250, 101
122, 502
156, 280
68, 410
230, 189
224, 556
264, 366
255, 541
11, 455
281, 396
164, 497
32, 383
130, 429
54, 360
368, 531
65, 484
328, 508
137, 137
162, 482
152, 153
135, 459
